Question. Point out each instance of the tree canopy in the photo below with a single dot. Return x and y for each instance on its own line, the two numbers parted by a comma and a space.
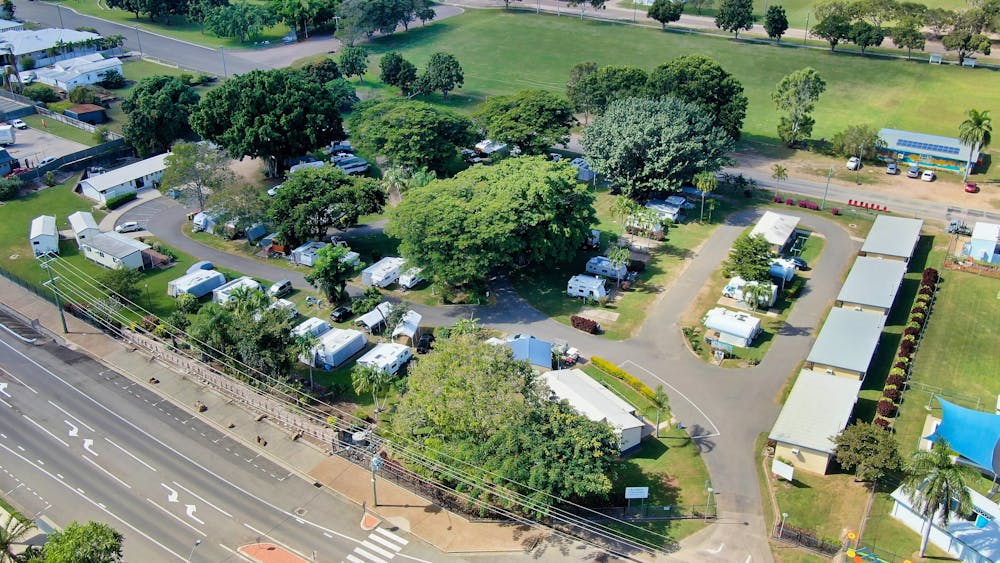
966, 43
700, 79
649, 146
409, 133
330, 273
397, 71
596, 90
665, 11
862, 141
354, 61
521, 211
870, 450
908, 35
274, 114
578, 92
196, 170
865, 35
93, 542
443, 72
735, 15
775, 21
157, 111
834, 28
797, 94
312, 200
750, 258
532, 120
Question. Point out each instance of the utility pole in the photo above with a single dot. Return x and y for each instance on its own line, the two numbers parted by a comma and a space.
375, 465
827, 189
805, 34
52, 285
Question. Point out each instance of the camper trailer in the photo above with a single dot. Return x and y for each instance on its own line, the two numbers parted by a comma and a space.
198, 283
410, 278
335, 347
307, 253
383, 273
386, 356
602, 266
587, 287
313, 325
736, 287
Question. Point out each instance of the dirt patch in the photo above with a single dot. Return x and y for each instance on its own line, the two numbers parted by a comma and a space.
599, 315
249, 169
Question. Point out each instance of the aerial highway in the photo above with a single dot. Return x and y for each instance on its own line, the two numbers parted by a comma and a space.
81, 442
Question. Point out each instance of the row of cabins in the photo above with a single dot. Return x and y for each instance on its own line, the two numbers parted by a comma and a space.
822, 400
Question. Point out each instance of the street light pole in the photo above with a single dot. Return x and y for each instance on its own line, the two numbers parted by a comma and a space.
138, 40
781, 529
826, 190
376, 464
59, 10
190, 555
708, 502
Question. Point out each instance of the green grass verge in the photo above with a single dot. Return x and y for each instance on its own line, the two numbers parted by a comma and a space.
177, 27
507, 52
60, 129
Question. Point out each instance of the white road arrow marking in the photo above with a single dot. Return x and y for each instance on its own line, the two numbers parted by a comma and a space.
190, 512
3, 386
87, 442
73, 430
172, 497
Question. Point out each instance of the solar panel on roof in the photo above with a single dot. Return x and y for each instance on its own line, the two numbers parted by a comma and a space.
928, 146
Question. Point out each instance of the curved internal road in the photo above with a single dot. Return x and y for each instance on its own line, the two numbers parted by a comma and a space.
725, 410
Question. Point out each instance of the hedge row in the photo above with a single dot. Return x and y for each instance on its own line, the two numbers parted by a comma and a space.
583, 323
119, 200
895, 383
618, 373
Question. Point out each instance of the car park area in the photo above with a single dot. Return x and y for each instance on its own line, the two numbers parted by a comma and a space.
34, 145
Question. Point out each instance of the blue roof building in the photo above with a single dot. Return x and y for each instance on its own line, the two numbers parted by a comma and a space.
928, 151
536, 352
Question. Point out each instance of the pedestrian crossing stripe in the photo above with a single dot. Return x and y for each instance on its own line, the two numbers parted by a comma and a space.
380, 546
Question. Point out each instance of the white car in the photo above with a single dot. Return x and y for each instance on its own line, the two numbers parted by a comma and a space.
128, 227
19, 124
274, 191
928, 176
853, 163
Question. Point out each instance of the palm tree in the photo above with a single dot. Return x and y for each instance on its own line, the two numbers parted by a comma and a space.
975, 131
934, 483
707, 182
756, 294
371, 379
395, 181
623, 209
779, 174
13, 532
660, 400
619, 256
302, 346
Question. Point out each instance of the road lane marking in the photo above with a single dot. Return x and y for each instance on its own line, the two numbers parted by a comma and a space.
73, 430
175, 517
191, 509
195, 495
354, 559
128, 453
172, 496
43, 429
82, 423
380, 540
369, 556
93, 503
108, 473
3, 387
328, 535
6, 403
392, 536
236, 553
15, 378
87, 443
678, 391
717, 550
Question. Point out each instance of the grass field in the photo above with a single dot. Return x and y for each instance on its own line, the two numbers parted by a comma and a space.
886, 93
60, 129
178, 27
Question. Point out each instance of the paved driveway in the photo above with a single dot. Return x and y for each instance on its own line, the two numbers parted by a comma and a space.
724, 409
35, 144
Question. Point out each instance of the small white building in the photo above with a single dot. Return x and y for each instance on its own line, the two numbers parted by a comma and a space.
127, 179
44, 237
78, 71
776, 228
383, 273
408, 326
602, 266
730, 327
670, 209
307, 253
334, 347
84, 226
736, 288
587, 287
974, 538
114, 250
594, 401
223, 293
313, 325
372, 320
386, 356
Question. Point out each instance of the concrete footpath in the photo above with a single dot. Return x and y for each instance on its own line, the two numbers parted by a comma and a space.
446, 531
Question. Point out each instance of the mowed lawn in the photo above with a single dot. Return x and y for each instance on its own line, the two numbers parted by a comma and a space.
508, 52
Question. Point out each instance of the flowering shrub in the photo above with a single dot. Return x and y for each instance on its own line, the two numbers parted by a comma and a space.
583, 323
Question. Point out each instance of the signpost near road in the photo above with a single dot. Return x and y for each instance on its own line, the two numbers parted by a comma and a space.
641, 493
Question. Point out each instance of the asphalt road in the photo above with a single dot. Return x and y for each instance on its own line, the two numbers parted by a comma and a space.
81, 442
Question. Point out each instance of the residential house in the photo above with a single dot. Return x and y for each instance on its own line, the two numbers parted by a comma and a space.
114, 250
47, 45
127, 179
78, 71
596, 402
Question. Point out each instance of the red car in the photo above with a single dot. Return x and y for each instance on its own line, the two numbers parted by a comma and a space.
971, 187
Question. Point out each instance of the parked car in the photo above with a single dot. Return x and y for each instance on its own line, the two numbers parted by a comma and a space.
342, 146
928, 176
913, 172
800, 264
971, 188
341, 314
46, 160
956, 227
274, 191
555, 157
280, 288
853, 163
425, 343
19, 124
128, 227
892, 168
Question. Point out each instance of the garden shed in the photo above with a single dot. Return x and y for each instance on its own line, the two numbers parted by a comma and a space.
43, 236
87, 113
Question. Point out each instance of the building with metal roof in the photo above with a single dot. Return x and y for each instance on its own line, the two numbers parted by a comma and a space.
818, 408
872, 285
83, 224
43, 236
127, 179
532, 350
776, 228
928, 151
984, 245
846, 344
594, 401
38, 43
892, 237
114, 250
78, 71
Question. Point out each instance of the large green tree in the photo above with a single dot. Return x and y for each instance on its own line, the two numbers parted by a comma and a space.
243, 20
312, 200
862, 141
354, 61
665, 11
331, 273
976, 131
649, 146
93, 542
397, 71
521, 211
735, 15
443, 72
532, 120
700, 79
409, 133
775, 22
122, 283
796, 95
870, 450
966, 43
157, 110
196, 170
579, 92
908, 35
750, 258
865, 35
245, 335
274, 114
937, 486
594, 91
